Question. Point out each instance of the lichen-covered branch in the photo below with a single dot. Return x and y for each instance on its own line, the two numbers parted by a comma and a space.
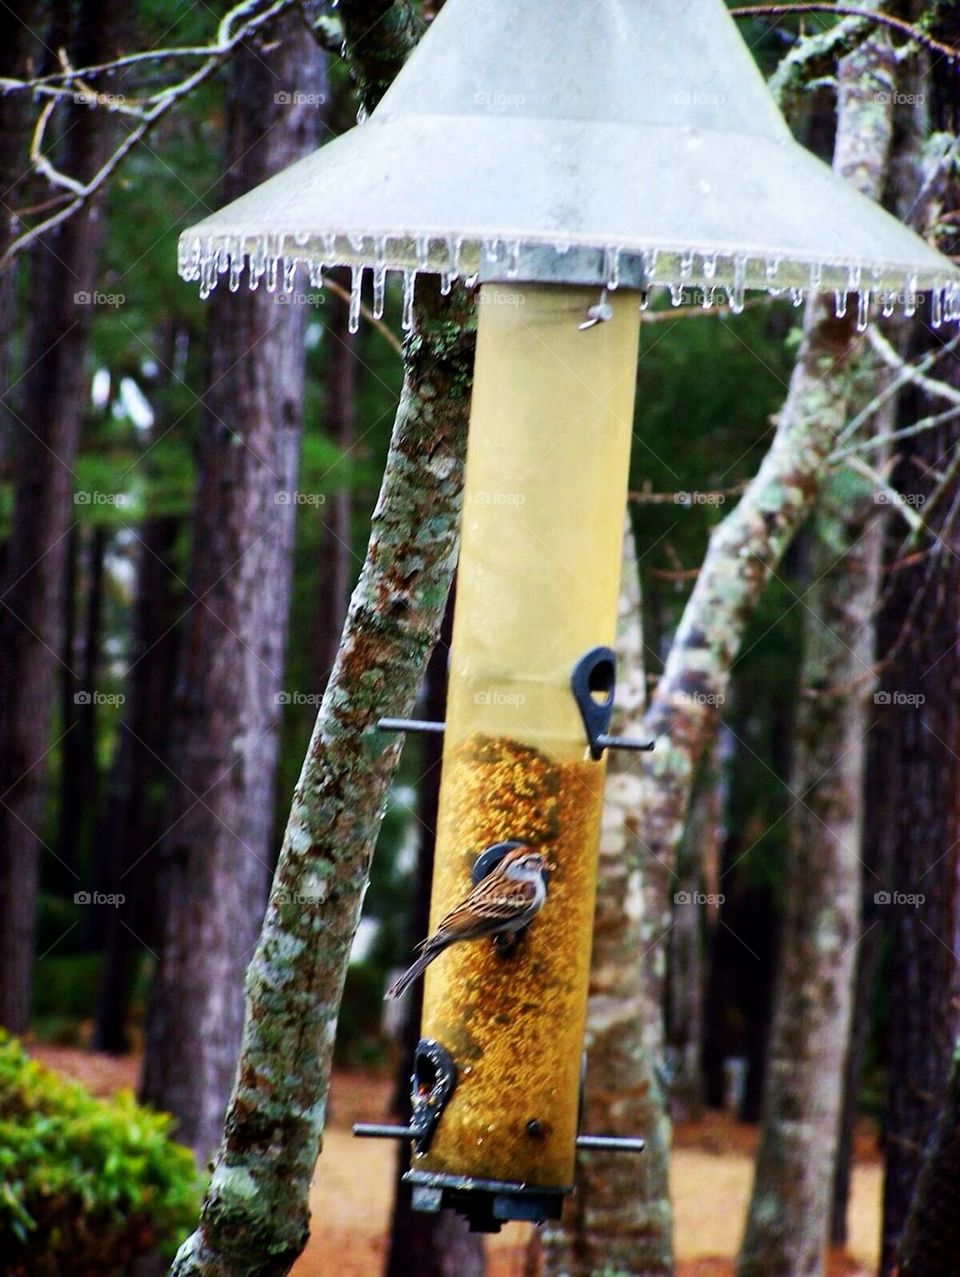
255, 1215
744, 551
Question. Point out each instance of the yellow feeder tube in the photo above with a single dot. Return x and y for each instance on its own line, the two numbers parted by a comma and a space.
538, 582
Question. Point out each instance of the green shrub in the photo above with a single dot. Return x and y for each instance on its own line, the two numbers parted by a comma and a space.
86, 1185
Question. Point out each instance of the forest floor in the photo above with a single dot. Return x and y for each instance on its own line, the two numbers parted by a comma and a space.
711, 1174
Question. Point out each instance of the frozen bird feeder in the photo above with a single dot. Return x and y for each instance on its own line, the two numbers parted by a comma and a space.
567, 159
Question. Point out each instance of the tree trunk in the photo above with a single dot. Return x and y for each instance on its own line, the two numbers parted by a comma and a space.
619, 1218
53, 398
336, 550
931, 1238
424, 1244
136, 802
788, 1221
216, 857
254, 1219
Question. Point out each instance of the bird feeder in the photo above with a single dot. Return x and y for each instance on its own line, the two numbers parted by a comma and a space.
566, 160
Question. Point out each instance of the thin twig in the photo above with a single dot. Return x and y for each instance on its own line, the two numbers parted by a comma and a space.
167, 100
849, 11
938, 389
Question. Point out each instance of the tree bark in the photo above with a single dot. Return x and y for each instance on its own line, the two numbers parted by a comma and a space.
54, 394
931, 1237
217, 855
619, 1217
254, 1218
787, 1225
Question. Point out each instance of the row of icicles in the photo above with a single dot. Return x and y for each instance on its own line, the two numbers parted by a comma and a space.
207, 261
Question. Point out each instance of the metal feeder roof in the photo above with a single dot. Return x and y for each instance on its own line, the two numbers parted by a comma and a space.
627, 142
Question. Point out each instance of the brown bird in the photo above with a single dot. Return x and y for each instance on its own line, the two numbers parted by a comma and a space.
501, 903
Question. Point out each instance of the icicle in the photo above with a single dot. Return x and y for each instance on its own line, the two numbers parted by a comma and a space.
839, 303
330, 247
686, 265
708, 298
256, 263
709, 266
936, 307
650, 256
562, 247
796, 296
853, 279
188, 259
453, 256
816, 277
611, 267
315, 272
289, 273
863, 309
272, 266
379, 289
910, 305
739, 283
645, 299
446, 283
471, 281
236, 270
409, 283
356, 287
357, 242
423, 252
888, 303
676, 294
301, 238
773, 265
489, 249
514, 264
223, 259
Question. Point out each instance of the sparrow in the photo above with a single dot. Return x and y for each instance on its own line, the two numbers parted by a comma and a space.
500, 904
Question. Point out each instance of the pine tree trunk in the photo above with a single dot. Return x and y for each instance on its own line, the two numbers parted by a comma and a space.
134, 820
931, 1238
619, 1217
217, 856
51, 406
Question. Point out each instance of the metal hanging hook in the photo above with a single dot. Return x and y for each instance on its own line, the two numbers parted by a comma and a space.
599, 313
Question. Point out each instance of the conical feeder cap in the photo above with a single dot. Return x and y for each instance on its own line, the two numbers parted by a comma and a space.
622, 141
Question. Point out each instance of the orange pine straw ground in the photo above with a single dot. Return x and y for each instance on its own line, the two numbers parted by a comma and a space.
711, 1177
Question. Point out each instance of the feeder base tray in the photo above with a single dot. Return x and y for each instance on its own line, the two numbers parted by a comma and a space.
486, 1203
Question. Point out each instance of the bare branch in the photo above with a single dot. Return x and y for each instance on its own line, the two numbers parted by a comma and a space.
162, 103
939, 389
907, 29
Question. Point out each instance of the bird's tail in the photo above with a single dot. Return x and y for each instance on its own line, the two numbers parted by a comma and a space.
413, 972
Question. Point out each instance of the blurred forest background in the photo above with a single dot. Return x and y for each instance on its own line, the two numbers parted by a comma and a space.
186, 490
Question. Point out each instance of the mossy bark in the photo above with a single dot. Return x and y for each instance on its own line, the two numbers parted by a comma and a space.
787, 1225
255, 1216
